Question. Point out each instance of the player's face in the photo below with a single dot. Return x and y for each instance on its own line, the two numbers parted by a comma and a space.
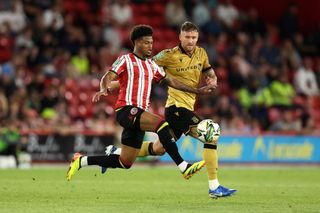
145, 46
189, 40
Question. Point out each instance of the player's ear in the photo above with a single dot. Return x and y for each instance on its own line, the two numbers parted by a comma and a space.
138, 42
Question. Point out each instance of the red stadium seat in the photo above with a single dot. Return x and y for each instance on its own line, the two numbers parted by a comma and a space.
82, 7
73, 112
315, 103
83, 97
95, 84
170, 35
74, 100
157, 34
224, 88
134, 8
84, 84
70, 84
141, 20
221, 73
82, 111
68, 96
158, 9
315, 110
144, 9
69, 6
156, 22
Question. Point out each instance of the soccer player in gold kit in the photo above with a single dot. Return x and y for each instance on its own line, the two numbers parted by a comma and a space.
188, 63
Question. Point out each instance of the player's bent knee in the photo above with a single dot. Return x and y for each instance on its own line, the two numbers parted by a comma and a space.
161, 125
125, 164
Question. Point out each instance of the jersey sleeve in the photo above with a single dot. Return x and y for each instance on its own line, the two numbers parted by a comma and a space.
161, 59
206, 64
119, 65
159, 73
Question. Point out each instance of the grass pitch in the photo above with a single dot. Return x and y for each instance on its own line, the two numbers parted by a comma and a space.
159, 189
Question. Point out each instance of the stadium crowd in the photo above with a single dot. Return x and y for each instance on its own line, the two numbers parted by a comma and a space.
53, 52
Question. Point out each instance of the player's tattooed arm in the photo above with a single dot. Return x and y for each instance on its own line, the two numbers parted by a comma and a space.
211, 78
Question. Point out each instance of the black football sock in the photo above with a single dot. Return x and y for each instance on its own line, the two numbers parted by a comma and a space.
107, 161
168, 142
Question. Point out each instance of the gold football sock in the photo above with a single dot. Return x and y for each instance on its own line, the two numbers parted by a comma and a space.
144, 151
210, 155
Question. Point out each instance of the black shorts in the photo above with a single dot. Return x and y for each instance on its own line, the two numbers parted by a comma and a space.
181, 120
129, 118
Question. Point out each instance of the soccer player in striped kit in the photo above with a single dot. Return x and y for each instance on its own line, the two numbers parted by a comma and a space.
135, 72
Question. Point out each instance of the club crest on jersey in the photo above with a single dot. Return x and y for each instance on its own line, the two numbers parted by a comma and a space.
134, 111
134, 64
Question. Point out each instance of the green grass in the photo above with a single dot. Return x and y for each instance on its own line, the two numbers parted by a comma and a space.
160, 189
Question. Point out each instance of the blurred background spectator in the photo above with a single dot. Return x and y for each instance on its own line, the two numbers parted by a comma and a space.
10, 141
175, 13
305, 79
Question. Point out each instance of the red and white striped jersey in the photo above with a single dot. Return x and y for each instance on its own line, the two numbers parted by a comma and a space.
135, 78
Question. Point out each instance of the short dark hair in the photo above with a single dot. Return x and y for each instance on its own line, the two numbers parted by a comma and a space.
139, 31
189, 26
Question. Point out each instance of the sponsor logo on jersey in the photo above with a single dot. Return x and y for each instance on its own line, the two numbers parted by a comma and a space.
195, 119
184, 69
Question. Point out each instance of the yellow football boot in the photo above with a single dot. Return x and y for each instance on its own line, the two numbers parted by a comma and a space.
74, 165
194, 168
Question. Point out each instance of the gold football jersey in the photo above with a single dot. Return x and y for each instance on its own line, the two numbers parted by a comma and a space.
185, 68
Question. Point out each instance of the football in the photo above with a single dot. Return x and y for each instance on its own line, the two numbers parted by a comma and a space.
208, 131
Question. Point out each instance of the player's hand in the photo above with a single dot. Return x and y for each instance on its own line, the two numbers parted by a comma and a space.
211, 82
97, 95
206, 89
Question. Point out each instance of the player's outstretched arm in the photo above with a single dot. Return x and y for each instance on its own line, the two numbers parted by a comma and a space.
105, 84
181, 86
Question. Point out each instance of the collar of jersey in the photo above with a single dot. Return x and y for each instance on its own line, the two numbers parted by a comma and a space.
183, 51
143, 59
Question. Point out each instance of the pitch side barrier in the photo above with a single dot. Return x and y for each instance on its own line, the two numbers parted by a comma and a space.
266, 148
269, 148
53, 147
